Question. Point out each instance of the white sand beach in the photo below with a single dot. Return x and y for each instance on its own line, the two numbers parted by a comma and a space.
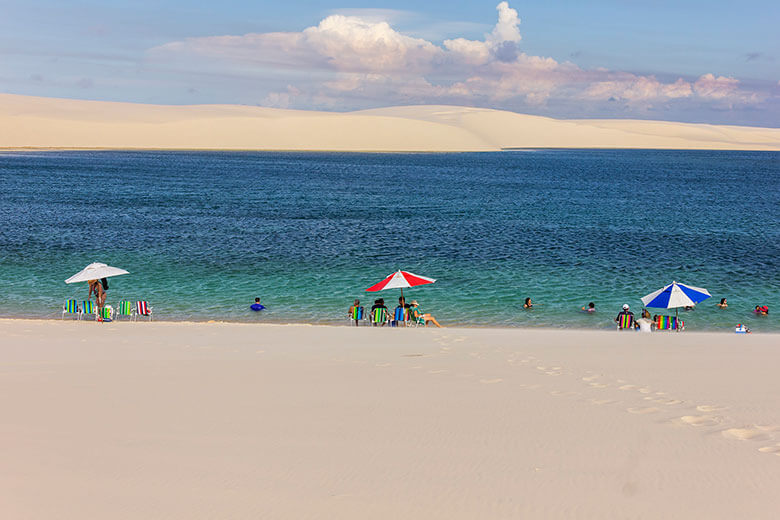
35, 122
216, 420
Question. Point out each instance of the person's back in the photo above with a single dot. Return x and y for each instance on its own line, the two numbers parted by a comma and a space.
625, 319
257, 306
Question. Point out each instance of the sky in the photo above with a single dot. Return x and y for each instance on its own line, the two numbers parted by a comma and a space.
696, 61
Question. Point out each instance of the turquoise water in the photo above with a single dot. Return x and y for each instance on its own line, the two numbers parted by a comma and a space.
203, 233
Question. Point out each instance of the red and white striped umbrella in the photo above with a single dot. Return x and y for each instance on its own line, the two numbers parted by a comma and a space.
401, 280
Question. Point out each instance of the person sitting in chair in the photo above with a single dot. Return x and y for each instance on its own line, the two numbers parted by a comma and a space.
625, 319
419, 315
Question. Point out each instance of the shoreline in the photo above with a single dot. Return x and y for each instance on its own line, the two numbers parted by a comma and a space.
345, 325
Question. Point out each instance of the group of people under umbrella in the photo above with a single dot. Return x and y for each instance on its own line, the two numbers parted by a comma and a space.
673, 296
405, 314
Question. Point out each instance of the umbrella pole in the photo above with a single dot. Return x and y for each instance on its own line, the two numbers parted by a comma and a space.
677, 317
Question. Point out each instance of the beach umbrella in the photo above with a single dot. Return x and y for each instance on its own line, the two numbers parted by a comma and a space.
95, 271
674, 296
401, 280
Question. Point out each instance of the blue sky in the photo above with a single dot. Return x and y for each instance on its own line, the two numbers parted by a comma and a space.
692, 61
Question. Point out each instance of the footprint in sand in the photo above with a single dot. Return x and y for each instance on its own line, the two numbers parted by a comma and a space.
771, 449
553, 373
710, 408
259, 351
644, 390
590, 378
601, 402
748, 433
561, 393
643, 411
382, 365
436, 371
700, 420
627, 387
490, 381
598, 385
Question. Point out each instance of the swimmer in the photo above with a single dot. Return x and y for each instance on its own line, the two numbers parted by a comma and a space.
257, 306
527, 304
591, 307
722, 304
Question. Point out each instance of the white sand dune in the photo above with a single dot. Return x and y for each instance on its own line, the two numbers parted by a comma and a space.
196, 421
34, 122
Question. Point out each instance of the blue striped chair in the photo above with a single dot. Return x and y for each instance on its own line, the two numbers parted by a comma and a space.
71, 307
87, 307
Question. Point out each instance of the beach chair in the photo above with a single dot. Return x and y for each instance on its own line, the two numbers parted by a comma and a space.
143, 309
379, 317
400, 317
669, 323
106, 313
87, 308
125, 308
416, 322
358, 315
71, 307
625, 322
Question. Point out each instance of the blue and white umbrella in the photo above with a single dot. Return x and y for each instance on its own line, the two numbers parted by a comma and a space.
676, 295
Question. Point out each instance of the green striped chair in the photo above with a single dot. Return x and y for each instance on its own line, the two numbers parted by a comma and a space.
71, 307
106, 313
125, 308
379, 316
87, 307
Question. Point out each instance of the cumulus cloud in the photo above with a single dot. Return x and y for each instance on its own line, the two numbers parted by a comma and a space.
354, 59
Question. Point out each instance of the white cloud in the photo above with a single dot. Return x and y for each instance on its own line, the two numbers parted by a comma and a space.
359, 58
709, 86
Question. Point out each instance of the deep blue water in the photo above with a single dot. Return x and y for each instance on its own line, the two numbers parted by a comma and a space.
203, 233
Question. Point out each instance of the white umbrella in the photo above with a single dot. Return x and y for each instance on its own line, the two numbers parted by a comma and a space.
95, 271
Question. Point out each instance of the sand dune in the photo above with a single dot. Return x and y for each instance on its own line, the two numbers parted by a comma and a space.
34, 122
190, 421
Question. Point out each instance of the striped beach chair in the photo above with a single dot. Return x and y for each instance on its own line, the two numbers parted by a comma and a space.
125, 308
400, 317
625, 321
358, 315
669, 323
379, 316
87, 308
143, 308
71, 307
106, 313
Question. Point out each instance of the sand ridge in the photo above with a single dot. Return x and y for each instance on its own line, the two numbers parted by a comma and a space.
35, 122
